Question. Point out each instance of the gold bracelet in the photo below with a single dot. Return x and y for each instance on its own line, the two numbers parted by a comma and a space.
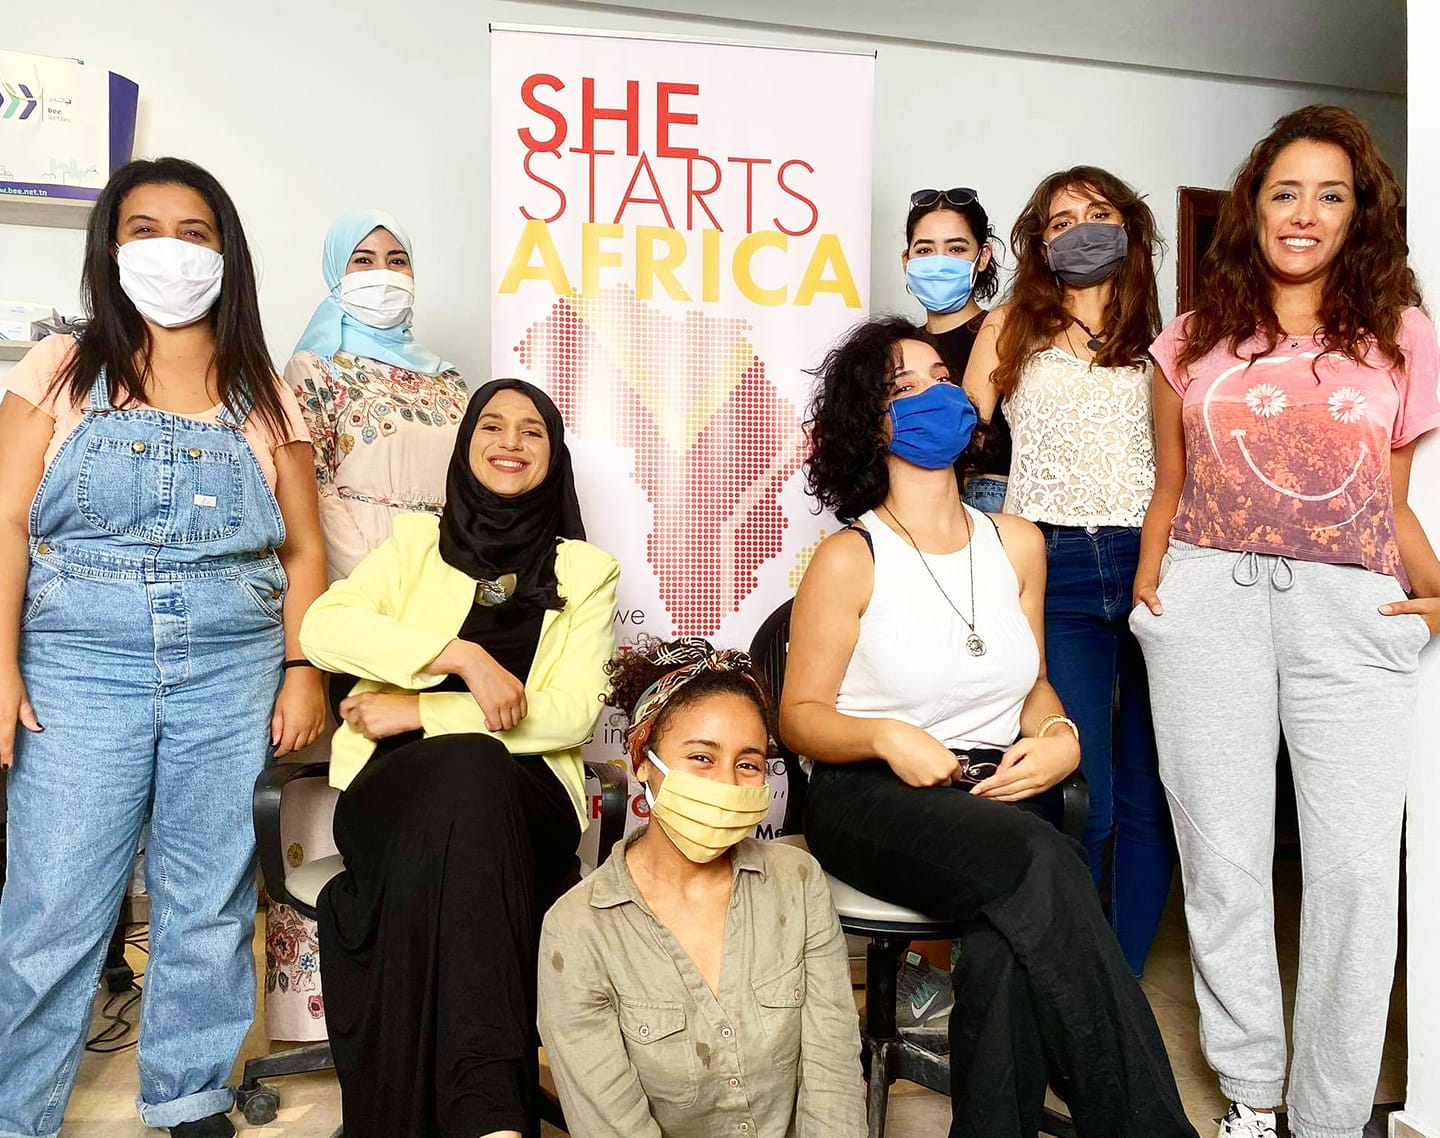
1051, 720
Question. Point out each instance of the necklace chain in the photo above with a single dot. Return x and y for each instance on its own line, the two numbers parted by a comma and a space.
1097, 339
974, 642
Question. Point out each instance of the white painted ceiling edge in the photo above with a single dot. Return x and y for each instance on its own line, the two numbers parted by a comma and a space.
1353, 44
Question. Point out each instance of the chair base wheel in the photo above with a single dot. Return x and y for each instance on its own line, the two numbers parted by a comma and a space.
258, 1104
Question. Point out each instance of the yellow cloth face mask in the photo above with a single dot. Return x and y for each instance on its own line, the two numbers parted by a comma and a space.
703, 817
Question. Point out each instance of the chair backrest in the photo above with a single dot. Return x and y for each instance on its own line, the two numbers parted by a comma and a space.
770, 648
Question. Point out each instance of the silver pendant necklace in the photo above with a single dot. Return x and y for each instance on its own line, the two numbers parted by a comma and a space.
974, 643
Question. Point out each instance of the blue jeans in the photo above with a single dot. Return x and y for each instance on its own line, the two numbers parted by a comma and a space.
1096, 667
150, 645
985, 494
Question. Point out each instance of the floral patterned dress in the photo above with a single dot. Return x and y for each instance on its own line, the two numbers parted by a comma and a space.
383, 437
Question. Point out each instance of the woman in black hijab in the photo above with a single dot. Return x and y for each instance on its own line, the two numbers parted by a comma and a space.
479, 639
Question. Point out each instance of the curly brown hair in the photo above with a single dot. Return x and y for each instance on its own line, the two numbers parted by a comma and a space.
1370, 283
1036, 305
634, 670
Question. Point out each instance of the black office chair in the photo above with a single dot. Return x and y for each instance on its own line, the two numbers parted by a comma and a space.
299, 888
889, 929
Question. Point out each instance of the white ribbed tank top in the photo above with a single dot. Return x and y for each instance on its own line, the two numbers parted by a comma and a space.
910, 661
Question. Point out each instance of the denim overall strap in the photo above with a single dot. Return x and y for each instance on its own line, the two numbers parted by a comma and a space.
235, 412
100, 393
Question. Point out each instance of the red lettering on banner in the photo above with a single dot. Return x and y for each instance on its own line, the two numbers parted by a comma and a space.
814, 213
629, 114
629, 196
750, 164
534, 177
694, 197
527, 96
665, 118
592, 155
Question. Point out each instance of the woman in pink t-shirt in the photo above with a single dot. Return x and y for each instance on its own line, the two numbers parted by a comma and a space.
1276, 557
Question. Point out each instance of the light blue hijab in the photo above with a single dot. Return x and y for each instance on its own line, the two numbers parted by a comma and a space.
332, 329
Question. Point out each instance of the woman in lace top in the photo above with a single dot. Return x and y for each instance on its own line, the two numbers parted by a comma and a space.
383, 412
382, 409
1066, 357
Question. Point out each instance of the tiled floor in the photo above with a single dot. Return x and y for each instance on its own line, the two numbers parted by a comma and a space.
103, 1104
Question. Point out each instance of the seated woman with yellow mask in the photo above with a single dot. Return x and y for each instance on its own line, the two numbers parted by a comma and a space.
697, 982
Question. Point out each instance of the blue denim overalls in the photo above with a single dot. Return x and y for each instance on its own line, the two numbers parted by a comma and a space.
150, 645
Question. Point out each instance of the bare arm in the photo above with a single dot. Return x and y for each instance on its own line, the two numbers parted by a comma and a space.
1169, 481
1034, 763
824, 627
300, 708
24, 434
1421, 565
984, 359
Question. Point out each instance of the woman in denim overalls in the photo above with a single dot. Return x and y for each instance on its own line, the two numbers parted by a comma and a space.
141, 647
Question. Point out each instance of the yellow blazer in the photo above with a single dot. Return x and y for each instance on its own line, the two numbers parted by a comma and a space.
402, 605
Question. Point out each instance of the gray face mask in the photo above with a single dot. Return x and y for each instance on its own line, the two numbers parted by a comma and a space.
1088, 253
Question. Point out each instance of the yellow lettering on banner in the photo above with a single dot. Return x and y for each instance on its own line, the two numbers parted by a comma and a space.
710, 266
535, 237
649, 268
744, 280
828, 252
593, 258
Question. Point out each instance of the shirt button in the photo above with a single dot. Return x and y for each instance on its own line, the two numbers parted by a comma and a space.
644, 1029
43, 547
799, 995
138, 447
726, 1032
734, 1082
744, 1128
194, 452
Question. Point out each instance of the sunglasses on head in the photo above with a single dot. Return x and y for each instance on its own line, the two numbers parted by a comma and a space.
958, 197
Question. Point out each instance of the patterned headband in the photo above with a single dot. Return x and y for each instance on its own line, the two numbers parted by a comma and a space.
687, 658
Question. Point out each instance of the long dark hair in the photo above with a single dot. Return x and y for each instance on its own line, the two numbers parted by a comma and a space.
846, 469
1036, 312
987, 280
115, 335
1370, 282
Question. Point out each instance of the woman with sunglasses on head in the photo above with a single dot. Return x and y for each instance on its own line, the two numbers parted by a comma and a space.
916, 683
697, 982
1272, 592
159, 545
1066, 357
950, 267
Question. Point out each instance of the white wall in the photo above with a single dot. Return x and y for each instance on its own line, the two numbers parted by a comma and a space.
304, 110
1422, 1106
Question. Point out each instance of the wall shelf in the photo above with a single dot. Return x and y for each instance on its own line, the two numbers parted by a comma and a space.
12, 350
55, 213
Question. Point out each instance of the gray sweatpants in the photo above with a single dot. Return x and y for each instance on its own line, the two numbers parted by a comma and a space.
1247, 643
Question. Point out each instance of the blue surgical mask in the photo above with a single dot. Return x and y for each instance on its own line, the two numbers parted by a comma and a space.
932, 428
941, 283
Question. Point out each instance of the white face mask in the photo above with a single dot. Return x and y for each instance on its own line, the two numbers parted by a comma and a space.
381, 298
171, 282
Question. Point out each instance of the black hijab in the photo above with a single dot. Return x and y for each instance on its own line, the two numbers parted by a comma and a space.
485, 535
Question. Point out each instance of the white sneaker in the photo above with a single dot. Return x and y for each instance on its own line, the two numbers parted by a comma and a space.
1242, 1122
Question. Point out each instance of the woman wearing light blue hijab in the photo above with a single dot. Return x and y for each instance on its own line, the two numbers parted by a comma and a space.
383, 412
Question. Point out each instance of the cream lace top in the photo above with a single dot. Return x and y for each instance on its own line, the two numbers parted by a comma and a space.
1084, 443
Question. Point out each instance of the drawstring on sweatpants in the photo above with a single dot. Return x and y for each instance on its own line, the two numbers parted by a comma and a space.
1246, 571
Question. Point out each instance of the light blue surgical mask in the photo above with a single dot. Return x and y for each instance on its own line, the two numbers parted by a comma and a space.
940, 282
932, 428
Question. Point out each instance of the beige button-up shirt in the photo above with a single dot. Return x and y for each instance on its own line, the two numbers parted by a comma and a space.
641, 1048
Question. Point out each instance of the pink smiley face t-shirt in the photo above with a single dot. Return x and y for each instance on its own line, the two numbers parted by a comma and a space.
1290, 454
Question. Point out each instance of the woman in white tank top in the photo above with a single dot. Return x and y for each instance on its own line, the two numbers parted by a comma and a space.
1068, 354
915, 658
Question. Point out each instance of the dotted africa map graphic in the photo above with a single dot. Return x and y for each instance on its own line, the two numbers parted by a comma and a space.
714, 441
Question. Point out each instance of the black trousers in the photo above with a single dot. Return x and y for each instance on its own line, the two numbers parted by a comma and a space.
1042, 991
453, 851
